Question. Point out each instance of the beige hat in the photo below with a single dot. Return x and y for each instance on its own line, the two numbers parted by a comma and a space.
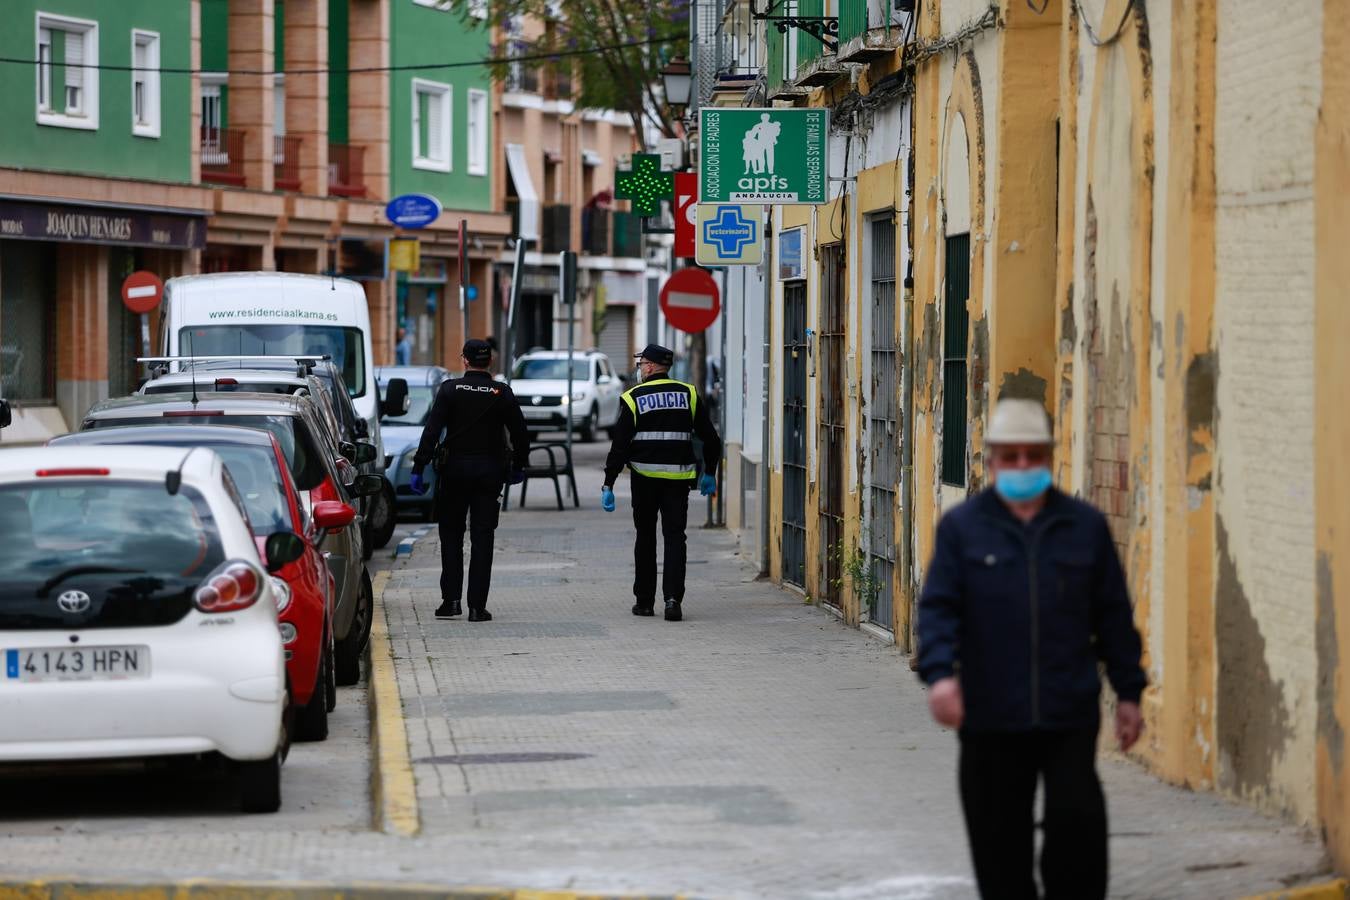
1017, 421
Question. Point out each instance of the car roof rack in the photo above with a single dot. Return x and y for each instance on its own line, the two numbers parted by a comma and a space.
304, 363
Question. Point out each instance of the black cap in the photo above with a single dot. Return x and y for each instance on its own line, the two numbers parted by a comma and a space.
478, 353
657, 354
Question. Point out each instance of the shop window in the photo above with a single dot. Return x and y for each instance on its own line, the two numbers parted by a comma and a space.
27, 284
478, 132
431, 125
145, 84
67, 74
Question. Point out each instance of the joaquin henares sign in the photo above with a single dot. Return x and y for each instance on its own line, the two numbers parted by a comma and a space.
33, 221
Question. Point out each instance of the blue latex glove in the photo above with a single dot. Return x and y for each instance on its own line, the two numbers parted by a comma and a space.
707, 485
607, 499
517, 476
418, 486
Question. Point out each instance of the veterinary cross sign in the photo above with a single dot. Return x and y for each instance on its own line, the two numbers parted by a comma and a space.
729, 232
645, 184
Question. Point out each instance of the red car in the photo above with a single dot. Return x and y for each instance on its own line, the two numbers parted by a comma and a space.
270, 501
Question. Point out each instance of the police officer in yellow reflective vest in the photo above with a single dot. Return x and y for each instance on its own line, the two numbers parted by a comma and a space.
654, 437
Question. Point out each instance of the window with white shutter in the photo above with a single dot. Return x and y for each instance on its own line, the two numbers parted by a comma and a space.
431, 109
67, 71
478, 132
145, 83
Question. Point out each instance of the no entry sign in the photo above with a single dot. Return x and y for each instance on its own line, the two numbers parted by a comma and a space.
690, 300
141, 291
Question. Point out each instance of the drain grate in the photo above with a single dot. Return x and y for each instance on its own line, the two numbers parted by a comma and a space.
488, 759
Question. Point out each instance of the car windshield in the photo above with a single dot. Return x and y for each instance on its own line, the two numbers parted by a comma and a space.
345, 345
302, 454
544, 369
132, 548
419, 405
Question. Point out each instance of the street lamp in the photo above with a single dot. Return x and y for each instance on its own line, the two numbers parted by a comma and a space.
676, 81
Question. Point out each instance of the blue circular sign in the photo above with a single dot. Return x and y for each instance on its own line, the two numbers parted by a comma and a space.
471, 292
413, 210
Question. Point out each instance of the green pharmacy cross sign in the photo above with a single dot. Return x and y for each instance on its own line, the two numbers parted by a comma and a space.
645, 184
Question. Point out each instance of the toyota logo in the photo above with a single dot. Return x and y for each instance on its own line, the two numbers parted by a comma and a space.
73, 601
536, 400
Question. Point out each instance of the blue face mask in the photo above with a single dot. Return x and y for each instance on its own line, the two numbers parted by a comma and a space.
1020, 485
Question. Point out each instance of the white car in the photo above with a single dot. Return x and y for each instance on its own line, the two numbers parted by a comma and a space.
136, 617
539, 381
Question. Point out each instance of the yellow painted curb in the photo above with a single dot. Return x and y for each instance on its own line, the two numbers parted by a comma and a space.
393, 790
1327, 890
205, 889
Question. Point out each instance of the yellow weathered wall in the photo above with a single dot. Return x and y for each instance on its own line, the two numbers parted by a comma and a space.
1332, 275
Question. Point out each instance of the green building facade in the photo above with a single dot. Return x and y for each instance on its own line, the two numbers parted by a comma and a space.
111, 121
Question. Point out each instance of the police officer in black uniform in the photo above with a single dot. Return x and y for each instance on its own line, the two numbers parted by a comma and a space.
654, 438
472, 463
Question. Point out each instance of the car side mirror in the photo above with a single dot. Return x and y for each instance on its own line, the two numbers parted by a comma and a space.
395, 398
367, 485
5, 415
333, 515
283, 548
362, 428
603, 379
347, 450
364, 452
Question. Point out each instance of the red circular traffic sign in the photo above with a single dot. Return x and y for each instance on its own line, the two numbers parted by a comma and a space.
141, 291
690, 300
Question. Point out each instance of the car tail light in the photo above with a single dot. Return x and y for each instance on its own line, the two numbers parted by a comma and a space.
227, 382
66, 473
235, 585
282, 591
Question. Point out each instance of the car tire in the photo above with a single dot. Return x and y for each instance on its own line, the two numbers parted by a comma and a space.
349, 649
260, 784
330, 672
383, 516
592, 426
311, 720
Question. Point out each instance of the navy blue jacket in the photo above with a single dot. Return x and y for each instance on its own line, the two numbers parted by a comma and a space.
1023, 614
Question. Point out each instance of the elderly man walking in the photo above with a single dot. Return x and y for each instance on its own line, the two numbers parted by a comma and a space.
1024, 597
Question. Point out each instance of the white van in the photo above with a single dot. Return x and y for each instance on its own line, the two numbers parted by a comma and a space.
276, 314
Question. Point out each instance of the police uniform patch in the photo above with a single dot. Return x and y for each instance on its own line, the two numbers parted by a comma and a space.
662, 400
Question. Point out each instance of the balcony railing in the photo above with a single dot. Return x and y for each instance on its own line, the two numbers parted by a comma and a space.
286, 162
627, 234
521, 79
223, 156
595, 231
557, 228
346, 172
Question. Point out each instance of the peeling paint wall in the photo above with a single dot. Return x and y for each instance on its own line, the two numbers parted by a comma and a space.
1268, 81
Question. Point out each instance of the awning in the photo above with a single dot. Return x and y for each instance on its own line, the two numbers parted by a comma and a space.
591, 158
529, 199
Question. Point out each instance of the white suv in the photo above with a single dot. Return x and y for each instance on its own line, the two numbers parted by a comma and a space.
539, 380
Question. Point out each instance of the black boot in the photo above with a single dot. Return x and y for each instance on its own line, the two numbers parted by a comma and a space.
479, 615
448, 609
673, 613
644, 609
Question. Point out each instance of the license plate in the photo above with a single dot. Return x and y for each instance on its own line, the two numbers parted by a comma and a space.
77, 664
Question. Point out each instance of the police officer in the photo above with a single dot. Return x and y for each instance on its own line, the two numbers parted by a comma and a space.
654, 437
476, 414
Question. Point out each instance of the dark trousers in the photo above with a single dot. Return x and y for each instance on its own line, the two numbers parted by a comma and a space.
669, 499
477, 499
998, 774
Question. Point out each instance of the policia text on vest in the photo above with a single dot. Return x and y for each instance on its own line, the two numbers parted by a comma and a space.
654, 438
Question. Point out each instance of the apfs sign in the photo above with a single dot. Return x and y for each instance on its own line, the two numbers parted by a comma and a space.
413, 210
763, 155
